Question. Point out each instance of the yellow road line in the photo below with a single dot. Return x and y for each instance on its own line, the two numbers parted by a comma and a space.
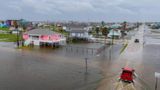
124, 47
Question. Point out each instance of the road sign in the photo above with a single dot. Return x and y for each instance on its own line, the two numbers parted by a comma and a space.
157, 75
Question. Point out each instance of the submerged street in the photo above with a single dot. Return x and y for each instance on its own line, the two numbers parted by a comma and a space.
142, 57
64, 69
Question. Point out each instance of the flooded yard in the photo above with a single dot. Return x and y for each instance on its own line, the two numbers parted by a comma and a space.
47, 69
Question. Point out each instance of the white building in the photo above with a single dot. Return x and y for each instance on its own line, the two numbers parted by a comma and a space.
114, 33
14, 30
79, 33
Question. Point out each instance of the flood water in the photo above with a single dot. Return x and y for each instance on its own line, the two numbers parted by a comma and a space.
64, 68
61, 68
144, 58
50, 69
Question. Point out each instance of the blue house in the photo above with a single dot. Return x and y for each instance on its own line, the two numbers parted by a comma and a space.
3, 25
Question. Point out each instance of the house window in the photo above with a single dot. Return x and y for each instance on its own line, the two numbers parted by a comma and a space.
73, 34
35, 37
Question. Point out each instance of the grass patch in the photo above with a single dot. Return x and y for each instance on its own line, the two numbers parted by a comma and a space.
9, 38
4, 29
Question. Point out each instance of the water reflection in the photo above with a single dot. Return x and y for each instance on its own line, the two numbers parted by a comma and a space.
51, 69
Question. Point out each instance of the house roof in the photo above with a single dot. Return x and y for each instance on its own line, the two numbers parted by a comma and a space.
114, 33
77, 30
41, 32
74, 24
116, 26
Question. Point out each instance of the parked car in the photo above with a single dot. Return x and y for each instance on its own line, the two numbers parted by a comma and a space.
136, 40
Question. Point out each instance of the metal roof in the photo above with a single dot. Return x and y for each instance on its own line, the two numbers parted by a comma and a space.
77, 30
41, 32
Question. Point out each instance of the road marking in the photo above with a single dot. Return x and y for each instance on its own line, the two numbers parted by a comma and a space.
124, 47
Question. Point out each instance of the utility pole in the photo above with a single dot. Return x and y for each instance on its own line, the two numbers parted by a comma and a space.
86, 65
16, 28
124, 30
137, 26
105, 42
113, 37
144, 36
22, 40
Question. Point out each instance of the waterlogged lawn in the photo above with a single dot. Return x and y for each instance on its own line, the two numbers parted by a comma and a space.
8, 38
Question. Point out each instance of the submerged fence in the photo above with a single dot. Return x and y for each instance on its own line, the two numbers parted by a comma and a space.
83, 51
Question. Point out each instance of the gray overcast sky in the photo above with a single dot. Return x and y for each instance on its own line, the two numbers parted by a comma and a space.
81, 10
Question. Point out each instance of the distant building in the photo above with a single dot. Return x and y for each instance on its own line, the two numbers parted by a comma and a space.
12, 22
3, 24
116, 26
43, 36
116, 33
13, 30
21, 22
79, 33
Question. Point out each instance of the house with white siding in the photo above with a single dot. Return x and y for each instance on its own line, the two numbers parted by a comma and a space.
81, 33
43, 36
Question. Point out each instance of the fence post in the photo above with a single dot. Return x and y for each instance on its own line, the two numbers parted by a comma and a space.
86, 65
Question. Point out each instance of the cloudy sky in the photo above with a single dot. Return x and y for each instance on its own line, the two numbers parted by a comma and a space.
81, 10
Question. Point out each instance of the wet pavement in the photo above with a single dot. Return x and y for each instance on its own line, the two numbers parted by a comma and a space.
144, 58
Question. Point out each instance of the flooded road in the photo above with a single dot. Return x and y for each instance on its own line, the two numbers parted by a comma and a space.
143, 57
64, 68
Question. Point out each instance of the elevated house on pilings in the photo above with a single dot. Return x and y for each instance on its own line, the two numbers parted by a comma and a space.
43, 37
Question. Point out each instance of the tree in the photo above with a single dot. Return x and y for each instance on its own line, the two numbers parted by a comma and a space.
15, 23
124, 25
97, 30
105, 31
102, 23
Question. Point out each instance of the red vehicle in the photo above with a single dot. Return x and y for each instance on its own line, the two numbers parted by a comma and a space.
127, 75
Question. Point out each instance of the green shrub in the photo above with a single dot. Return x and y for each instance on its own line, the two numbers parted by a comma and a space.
9, 38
